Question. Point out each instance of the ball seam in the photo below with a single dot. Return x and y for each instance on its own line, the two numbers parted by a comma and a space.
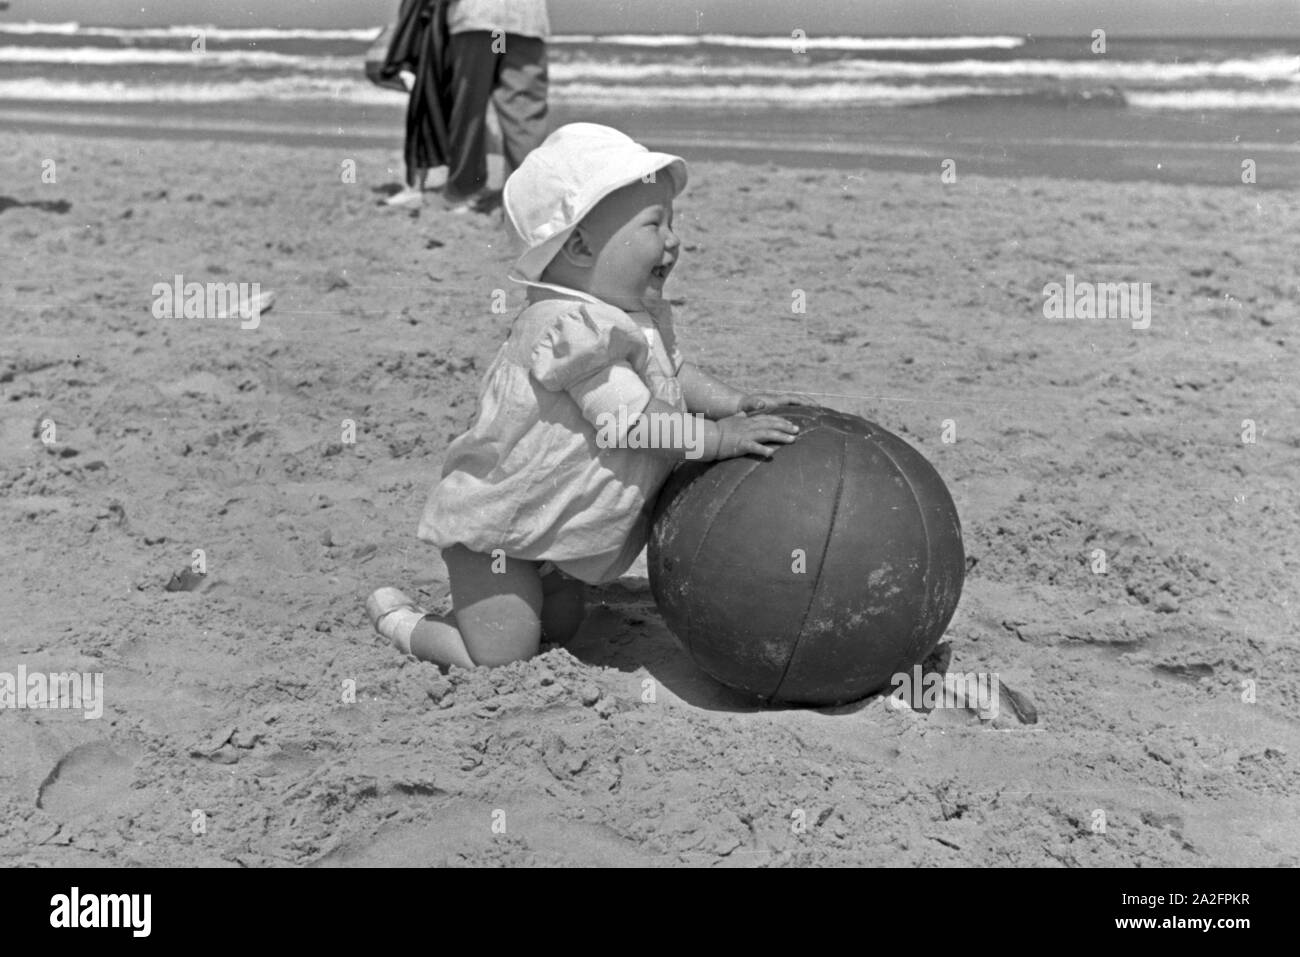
821, 563
929, 545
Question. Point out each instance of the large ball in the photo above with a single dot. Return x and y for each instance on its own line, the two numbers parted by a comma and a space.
814, 576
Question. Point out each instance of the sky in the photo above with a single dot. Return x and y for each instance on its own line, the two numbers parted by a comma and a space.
770, 17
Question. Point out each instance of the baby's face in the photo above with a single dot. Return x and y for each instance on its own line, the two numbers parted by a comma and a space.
631, 233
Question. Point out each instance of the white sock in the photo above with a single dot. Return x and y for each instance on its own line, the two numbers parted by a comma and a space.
397, 626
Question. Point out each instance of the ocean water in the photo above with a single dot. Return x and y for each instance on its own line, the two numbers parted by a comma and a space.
1164, 110
69, 63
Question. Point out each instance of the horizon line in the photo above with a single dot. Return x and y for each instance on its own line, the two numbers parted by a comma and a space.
1110, 35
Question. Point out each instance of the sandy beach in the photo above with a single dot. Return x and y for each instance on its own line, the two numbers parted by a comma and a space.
1166, 687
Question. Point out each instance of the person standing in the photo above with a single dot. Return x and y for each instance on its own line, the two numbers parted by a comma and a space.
418, 59
497, 53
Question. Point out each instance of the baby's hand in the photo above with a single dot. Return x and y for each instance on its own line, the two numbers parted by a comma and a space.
742, 434
762, 401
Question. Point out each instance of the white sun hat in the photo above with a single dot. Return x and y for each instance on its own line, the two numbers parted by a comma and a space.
562, 180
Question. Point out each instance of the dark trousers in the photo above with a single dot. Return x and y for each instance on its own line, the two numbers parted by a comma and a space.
515, 81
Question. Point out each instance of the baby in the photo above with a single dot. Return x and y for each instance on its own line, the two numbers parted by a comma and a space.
553, 485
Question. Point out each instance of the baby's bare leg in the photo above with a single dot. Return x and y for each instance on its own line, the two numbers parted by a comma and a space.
497, 617
436, 638
503, 607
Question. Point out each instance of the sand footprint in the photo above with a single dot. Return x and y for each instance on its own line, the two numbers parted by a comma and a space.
90, 778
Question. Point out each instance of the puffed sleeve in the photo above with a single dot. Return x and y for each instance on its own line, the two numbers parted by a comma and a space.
581, 341
593, 355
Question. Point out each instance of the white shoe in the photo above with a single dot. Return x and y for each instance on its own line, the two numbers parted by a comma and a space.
384, 601
408, 198
394, 616
484, 201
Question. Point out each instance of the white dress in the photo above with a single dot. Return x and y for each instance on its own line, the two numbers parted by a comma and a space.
529, 477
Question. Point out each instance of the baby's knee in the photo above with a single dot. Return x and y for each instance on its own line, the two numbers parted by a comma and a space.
502, 628
499, 642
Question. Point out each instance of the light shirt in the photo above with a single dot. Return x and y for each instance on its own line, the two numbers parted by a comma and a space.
529, 477
525, 18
